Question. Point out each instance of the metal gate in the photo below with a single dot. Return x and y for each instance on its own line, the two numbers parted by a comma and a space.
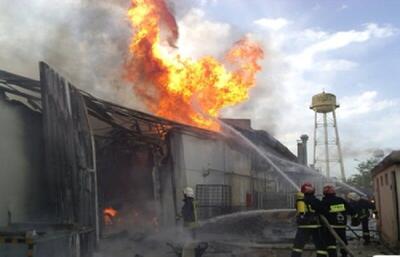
69, 151
213, 200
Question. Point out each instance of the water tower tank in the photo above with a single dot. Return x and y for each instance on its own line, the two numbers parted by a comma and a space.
324, 103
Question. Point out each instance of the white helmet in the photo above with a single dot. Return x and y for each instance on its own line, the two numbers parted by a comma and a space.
188, 191
353, 196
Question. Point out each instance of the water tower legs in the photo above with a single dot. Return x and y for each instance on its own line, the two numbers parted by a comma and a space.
315, 139
339, 148
328, 172
325, 140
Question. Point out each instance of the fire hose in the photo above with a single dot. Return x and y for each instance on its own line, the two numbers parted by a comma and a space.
336, 236
354, 232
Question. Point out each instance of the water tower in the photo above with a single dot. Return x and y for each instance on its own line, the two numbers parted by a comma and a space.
327, 150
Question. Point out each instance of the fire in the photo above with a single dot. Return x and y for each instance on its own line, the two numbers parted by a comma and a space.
109, 213
182, 89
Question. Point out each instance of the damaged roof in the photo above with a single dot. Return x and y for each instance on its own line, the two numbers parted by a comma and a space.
136, 123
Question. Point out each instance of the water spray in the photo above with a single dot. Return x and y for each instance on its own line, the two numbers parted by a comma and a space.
260, 152
310, 170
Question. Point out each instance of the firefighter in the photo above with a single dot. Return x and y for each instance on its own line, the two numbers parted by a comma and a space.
308, 224
362, 208
336, 211
189, 212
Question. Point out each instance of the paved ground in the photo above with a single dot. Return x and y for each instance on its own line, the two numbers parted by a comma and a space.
251, 234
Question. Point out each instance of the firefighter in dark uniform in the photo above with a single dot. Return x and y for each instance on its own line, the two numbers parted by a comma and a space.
362, 209
308, 224
189, 211
336, 211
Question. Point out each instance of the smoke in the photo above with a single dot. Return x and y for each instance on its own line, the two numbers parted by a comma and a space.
352, 151
87, 42
84, 40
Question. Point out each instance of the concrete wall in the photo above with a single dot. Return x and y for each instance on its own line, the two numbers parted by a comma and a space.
22, 185
387, 203
201, 159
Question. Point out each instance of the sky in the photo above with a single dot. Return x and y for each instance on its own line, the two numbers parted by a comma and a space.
349, 48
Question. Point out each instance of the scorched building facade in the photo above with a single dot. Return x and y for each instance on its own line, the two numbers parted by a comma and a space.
94, 167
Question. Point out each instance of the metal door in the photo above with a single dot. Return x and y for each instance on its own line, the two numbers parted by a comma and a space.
69, 151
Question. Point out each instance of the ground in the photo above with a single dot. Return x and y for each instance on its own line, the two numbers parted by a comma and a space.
261, 233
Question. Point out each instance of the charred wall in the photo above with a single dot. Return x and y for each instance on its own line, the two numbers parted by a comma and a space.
126, 182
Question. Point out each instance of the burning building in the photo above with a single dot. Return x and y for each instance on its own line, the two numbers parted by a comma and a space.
106, 166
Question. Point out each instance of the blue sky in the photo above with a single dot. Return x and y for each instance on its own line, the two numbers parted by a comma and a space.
349, 48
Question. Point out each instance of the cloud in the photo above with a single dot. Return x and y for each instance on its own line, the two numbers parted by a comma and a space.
207, 2
307, 60
364, 103
338, 40
272, 24
335, 65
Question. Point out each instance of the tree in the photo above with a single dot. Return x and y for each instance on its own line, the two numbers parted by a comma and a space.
363, 179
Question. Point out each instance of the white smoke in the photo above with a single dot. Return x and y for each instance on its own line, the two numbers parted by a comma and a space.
86, 41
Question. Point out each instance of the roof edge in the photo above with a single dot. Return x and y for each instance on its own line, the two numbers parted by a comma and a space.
391, 159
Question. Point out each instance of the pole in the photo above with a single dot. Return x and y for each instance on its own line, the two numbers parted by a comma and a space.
339, 147
326, 145
335, 235
315, 139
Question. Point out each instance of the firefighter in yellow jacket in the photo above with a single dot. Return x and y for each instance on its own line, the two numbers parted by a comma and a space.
308, 224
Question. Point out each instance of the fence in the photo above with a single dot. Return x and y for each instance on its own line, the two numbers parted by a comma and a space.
213, 200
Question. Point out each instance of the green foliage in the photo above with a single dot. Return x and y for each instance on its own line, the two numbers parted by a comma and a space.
363, 178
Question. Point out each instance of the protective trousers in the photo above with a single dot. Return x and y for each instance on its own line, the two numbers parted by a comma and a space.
303, 235
365, 230
331, 242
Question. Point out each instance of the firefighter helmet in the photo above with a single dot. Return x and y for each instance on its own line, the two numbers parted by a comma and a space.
307, 188
329, 189
188, 191
353, 196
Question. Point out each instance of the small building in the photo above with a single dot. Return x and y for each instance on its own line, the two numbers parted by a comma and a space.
386, 181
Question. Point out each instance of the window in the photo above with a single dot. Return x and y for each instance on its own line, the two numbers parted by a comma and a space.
381, 180
386, 179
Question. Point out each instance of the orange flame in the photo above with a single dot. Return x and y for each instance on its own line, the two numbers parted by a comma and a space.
185, 90
109, 214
